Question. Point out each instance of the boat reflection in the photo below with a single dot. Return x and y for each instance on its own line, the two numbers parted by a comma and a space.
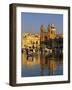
41, 65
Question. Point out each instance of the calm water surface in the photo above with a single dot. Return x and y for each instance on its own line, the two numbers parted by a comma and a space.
41, 65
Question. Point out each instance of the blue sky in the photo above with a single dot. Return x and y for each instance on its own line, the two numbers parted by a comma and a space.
31, 22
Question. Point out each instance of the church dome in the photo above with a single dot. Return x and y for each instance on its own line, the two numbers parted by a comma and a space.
52, 27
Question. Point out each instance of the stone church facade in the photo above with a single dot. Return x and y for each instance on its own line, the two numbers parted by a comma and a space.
49, 34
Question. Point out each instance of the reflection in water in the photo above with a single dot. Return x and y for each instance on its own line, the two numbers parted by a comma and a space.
41, 65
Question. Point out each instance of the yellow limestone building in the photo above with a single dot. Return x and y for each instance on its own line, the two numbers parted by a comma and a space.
34, 39
30, 40
49, 34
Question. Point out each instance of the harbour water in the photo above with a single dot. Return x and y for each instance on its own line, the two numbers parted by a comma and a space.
41, 65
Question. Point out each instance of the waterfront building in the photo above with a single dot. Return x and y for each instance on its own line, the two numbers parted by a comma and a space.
49, 34
46, 38
50, 38
30, 40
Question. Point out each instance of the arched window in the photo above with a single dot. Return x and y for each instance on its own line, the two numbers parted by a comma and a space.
51, 32
36, 42
45, 37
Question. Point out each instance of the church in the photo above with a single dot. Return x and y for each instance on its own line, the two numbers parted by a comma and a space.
50, 38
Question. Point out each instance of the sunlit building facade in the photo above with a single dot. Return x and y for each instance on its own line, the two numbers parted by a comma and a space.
30, 40
49, 33
50, 38
45, 36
